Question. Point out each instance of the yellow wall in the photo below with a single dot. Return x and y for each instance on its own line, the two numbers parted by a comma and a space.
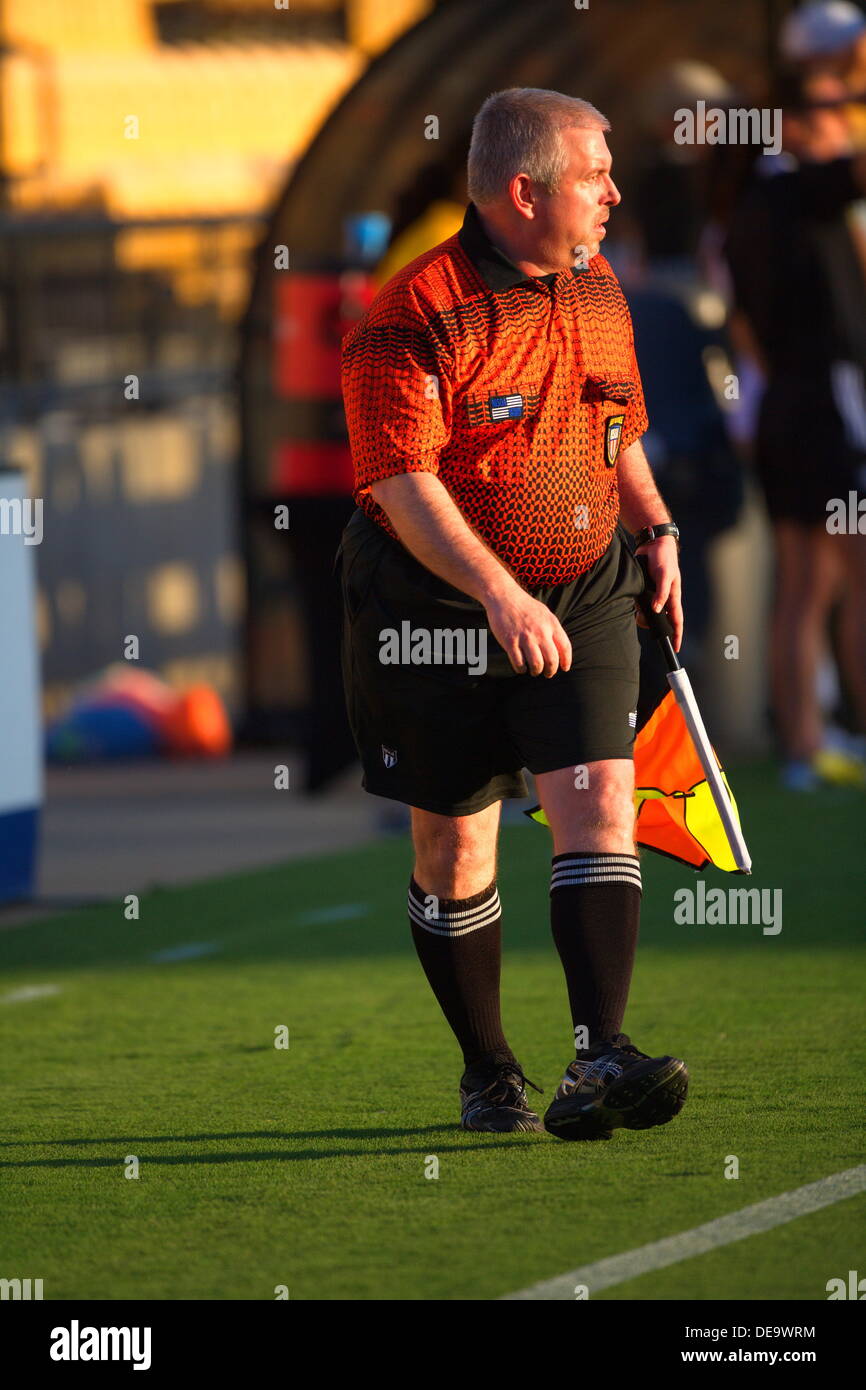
187, 129
373, 25
70, 26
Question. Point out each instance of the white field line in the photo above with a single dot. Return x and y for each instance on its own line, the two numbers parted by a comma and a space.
324, 916
28, 992
317, 917
750, 1221
188, 950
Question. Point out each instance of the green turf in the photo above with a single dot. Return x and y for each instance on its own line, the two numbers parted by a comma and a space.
262, 1167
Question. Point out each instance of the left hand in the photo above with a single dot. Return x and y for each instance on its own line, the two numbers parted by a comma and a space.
664, 567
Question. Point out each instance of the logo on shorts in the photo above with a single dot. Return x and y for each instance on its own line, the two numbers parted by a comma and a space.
632, 719
389, 756
612, 438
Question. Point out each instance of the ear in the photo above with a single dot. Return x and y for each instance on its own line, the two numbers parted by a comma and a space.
523, 196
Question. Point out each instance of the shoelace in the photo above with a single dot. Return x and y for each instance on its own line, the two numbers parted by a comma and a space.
507, 1076
600, 1065
622, 1043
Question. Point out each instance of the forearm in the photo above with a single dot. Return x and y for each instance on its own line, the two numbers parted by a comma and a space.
434, 530
641, 503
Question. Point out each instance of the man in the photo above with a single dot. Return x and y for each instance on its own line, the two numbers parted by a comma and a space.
494, 408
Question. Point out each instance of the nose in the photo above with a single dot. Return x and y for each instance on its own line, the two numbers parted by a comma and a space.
612, 195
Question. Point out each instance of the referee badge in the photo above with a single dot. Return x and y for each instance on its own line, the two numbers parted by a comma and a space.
612, 438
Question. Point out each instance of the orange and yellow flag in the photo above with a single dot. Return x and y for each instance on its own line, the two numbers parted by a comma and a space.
676, 813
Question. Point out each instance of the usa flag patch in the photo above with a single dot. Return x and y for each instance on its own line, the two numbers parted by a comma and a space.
511, 405
507, 407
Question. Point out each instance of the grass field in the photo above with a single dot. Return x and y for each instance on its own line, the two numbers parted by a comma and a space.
305, 1166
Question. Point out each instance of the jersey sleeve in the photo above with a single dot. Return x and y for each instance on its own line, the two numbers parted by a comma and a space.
396, 393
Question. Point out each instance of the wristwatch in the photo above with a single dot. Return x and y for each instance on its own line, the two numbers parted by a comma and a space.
654, 533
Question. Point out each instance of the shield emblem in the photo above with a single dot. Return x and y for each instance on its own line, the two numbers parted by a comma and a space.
612, 438
389, 756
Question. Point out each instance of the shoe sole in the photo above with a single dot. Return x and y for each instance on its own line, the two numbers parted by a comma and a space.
649, 1094
522, 1125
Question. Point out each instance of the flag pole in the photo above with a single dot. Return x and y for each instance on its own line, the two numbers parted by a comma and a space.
660, 628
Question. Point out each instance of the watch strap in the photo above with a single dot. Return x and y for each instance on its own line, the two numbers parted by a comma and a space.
654, 533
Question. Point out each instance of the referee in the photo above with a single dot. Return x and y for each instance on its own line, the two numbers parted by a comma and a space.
495, 409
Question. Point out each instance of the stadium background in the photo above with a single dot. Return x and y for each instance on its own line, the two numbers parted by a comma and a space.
259, 126
149, 249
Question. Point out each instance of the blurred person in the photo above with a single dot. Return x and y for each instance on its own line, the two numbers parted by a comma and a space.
687, 444
673, 179
826, 39
495, 413
799, 287
677, 312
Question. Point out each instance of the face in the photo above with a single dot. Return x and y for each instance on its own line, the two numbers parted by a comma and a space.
571, 220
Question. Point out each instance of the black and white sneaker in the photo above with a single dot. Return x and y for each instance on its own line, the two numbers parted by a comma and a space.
493, 1097
612, 1086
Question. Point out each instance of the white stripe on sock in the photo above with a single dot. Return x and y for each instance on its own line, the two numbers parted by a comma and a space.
456, 923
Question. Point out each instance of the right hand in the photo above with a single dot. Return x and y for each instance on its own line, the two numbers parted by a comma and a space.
531, 635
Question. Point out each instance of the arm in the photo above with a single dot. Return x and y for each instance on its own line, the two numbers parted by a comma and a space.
641, 505
433, 529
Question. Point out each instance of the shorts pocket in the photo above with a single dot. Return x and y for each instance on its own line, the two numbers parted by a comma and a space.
359, 568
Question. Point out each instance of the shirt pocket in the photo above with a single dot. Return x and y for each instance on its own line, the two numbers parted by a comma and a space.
496, 424
607, 400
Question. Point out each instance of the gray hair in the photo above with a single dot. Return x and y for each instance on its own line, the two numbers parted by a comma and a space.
517, 131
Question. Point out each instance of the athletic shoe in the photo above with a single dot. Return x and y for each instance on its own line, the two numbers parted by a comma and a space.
839, 767
611, 1086
798, 775
493, 1098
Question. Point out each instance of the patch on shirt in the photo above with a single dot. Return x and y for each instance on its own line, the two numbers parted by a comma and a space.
612, 438
492, 410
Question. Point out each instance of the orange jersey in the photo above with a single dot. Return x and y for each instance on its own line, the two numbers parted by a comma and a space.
518, 392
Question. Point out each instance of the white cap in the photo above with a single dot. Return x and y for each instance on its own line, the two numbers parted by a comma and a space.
820, 29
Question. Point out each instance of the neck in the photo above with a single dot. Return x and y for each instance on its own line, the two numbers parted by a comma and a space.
529, 261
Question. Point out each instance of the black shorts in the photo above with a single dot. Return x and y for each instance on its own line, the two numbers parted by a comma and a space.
803, 457
452, 736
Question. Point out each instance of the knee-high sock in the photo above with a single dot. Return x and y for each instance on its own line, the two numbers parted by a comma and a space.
595, 917
459, 944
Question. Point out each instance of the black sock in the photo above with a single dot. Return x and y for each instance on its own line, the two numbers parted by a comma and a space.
459, 944
595, 916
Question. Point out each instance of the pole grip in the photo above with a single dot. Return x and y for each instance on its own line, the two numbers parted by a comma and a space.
658, 624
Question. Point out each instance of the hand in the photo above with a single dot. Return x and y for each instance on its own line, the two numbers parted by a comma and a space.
530, 634
664, 568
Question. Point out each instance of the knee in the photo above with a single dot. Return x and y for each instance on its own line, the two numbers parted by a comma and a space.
612, 809
601, 817
453, 862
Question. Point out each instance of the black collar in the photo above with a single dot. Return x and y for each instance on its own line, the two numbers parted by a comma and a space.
494, 267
